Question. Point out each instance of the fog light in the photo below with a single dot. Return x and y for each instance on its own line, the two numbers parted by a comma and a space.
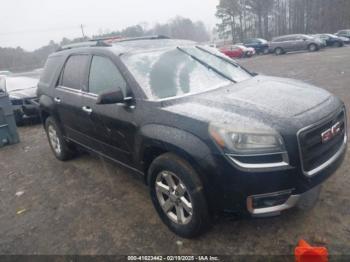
270, 200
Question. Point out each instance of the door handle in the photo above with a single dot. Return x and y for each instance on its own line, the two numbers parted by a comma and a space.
87, 109
57, 100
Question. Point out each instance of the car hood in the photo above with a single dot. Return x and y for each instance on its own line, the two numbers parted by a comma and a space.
24, 93
263, 98
21, 87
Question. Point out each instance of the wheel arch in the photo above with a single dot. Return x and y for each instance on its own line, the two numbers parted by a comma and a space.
157, 140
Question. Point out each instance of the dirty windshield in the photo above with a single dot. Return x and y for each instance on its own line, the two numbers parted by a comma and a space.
180, 71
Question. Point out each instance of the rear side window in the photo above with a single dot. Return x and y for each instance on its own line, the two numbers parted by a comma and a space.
280, 39
104, 76
50, 70
74, 72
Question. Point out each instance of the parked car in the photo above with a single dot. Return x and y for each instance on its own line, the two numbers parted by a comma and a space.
5, 73
289, 43
321, 40
22, 93
331, 40
344, 33
205, 133
232, 51
247, 51
261, 46
344, 39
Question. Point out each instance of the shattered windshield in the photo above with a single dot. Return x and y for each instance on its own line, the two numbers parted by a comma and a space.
175, 72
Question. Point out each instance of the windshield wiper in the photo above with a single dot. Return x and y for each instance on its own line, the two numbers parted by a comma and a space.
224, 59
206, 65
220, 57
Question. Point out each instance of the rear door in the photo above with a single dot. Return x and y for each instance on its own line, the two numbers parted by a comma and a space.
299, 43
111, 127
68, 97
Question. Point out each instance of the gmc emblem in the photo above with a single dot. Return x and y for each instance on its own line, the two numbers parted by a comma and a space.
330, 133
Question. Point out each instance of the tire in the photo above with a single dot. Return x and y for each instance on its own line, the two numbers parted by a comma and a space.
338, 44
19, 118
279, 51
313, 48
60, 147
188, 192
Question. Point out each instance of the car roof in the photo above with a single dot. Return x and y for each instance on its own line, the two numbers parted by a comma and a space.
127, 47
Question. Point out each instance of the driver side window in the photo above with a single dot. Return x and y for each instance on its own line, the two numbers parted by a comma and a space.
105, 76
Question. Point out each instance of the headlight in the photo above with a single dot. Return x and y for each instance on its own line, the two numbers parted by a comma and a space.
246, 141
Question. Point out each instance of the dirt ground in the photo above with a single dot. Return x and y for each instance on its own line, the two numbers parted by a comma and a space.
89, 206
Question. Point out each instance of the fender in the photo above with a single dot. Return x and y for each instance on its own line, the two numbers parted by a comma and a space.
47, 106
187, 146
172, 139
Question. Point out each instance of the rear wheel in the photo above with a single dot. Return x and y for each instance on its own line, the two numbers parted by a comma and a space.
60, 147
339, 44
313, 47
279, 51
177, 194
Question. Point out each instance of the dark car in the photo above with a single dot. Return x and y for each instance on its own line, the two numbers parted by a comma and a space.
261, 46
291, 43
206, 134
331, 40
22, 93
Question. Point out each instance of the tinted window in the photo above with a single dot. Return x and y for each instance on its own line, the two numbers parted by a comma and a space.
290, 38
280, 39
74, 71
50, 69
104, 76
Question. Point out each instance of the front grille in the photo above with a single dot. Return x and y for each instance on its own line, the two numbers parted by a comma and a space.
16, 102
31, 101
315, 152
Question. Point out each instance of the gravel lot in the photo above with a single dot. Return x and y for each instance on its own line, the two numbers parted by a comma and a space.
89, 206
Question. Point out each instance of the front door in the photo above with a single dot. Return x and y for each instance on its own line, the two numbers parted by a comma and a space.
112, 127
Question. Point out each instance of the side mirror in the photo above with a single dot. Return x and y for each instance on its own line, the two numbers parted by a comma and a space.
111, 97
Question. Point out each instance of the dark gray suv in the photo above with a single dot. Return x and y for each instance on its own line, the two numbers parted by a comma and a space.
290, 43
205, 133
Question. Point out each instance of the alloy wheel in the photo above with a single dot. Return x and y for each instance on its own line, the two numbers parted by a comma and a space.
174, 198
54, 140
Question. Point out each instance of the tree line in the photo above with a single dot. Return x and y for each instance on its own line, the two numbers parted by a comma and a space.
241, 19
18, 59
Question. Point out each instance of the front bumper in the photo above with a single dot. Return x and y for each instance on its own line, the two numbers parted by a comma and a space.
236, 188
26, 108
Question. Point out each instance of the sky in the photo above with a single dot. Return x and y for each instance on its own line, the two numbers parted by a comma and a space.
31, 24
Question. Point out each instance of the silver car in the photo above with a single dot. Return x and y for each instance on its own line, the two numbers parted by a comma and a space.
290, 43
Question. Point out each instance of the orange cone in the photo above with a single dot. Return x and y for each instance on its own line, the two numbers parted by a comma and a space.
306, 253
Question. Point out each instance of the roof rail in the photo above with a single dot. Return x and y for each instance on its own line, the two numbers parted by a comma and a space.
93, 43
107, 41
116, 39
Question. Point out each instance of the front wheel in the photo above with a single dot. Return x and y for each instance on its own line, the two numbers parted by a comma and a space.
339, 44
279, 51
177, 195
313, 48
19, 118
